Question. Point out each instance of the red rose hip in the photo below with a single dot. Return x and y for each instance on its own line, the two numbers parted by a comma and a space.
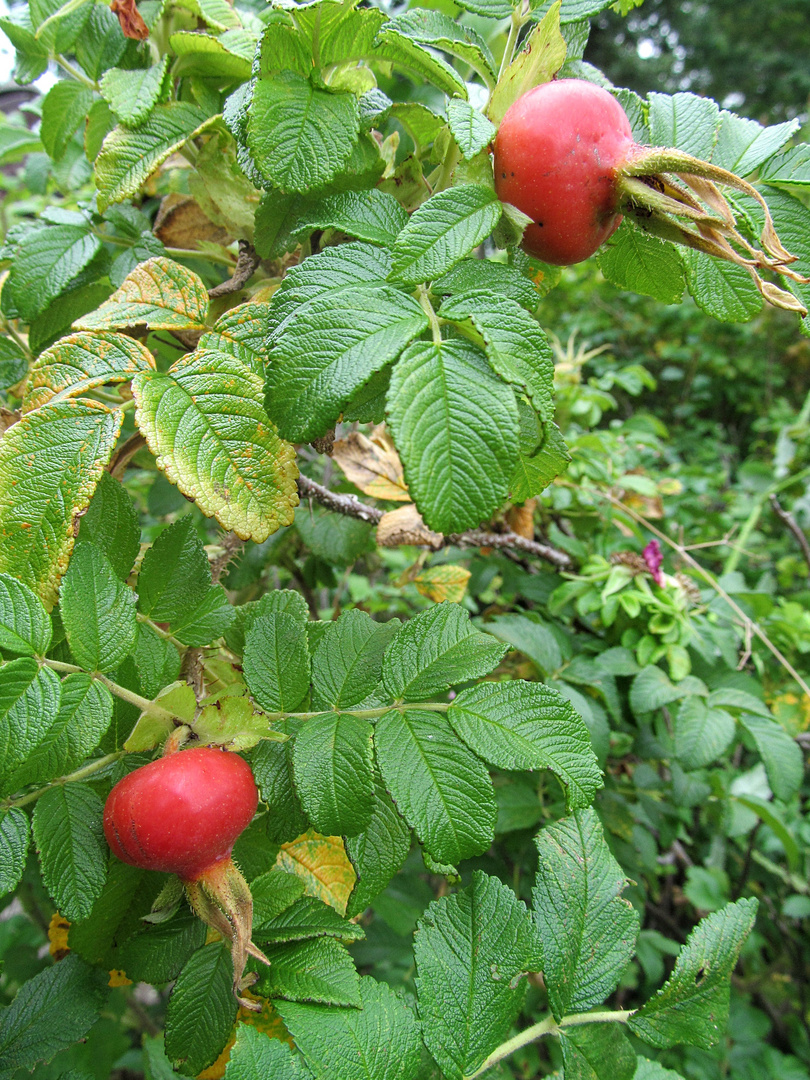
181, 814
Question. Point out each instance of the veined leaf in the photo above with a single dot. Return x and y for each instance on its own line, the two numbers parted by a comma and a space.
29, 702
64, 110
598, 1052
300, 137
72, 851
634, 260
321, 359
455, 425
443, 230
129, 155
438, 30
175, 575
217, 14
780, 754
111, 523
255, 1057
25, 628
441, 789
276, 662
471, 129
721, 289
474, 275
522, 725
13, 848
371, 215
204, 423
45, 263
305, 917
160, 293
743, 145
692, 1006
542, 455
133, 94
685, 121
378, 852
227, 56
379, 1041
471, 950
98, 611
322, 864
201, 1010
81, 362
541, 57
242, 333
318, 970
347, 665
588, 930
50, 462
332, 762
246, 614
436, 649
516, 347
702, 734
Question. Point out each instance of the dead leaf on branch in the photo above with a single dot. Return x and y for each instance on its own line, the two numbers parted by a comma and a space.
372, 464
181, 223
130, 19
405, 526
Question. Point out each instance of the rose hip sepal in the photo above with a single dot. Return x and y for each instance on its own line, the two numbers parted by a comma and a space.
181, 815
565, 155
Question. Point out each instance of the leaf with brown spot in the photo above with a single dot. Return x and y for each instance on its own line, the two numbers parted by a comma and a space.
372, 464
181, 223
322, 863
439, 583
405, 526
159, 293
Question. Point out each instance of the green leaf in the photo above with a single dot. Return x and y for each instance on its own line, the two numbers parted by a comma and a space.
442, 790
204, 423
133, 94
85, 713
275, 223
64, 110
455, 425
378, 852
652, 688
272, 768
516, 347
306, 918
369, 215
418, 62
692, 1006
129, 155
13, 848
347, 665
45, 263
332, 764
436, 649
597, 1052
300, 137
175, 574
651, 1070
770, 816
643, 264
111, 523
792, 221
82, 362
51, 1012
273, 893
255, 1056
72, 851
588, 930
336, 342
201, 1010
206, 622
484, 275
743, 145
25, 628
29, 702
379, 1041
471, 129
789, 169
156, 661
13, 361
98, 611
50, 462
214, 13
522, 725
539, 60
542, 455
684, 121
781, 755
160, 293
241, 333
158, 953
702, 734
276, 600
438, 30
722, 289
32, 54
228, 56
276, 662
318, 970
471, 950
125, 899
337, 539
443, 230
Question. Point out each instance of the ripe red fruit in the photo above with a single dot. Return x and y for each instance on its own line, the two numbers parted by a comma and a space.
557, 154
181, 814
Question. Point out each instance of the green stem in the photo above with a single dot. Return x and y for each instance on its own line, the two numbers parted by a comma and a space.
549, 1026
142, 703
427, 307
75, 73
79, 774
363, 714
125, 406
12, 333
733, 561
511, 42
209, 256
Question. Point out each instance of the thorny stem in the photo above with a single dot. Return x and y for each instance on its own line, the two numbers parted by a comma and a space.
549, 1026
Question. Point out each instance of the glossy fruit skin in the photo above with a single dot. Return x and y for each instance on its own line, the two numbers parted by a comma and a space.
557, 153
181, 814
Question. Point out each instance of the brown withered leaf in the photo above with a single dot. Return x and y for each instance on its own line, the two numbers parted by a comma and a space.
181, 223
405, 526
372, 463
439, 583
520, 519
130, 19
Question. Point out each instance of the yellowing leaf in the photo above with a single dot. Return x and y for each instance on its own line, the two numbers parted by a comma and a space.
83, 361
541, 57
441, 583
159, 293
372, 464
322, 863
58, 929
405, 526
